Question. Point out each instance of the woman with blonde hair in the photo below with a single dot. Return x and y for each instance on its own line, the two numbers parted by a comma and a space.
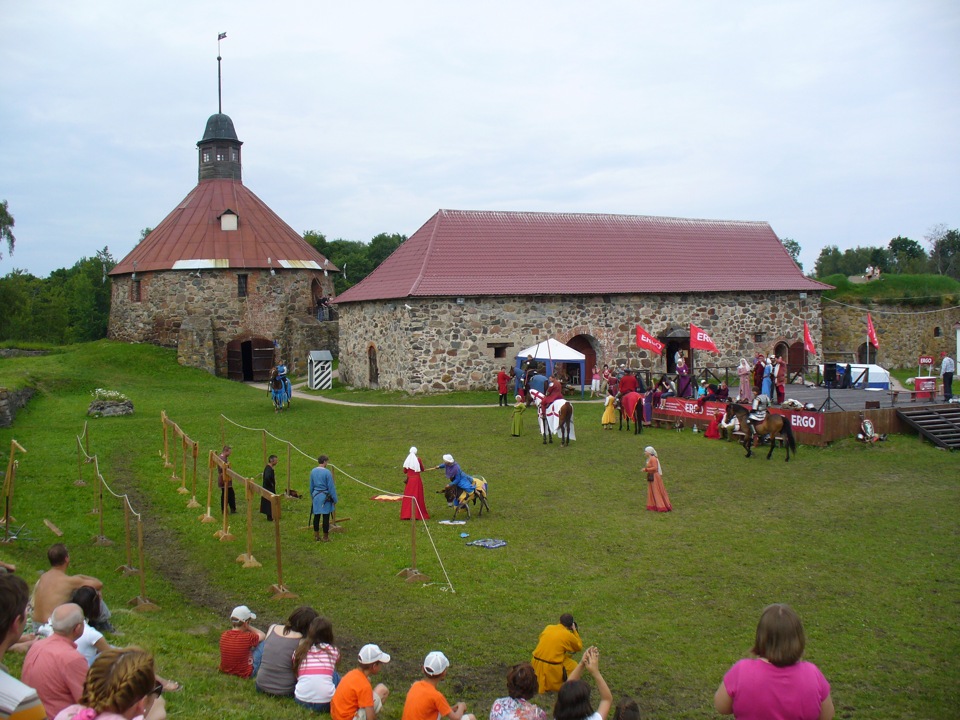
657, 498
121, 685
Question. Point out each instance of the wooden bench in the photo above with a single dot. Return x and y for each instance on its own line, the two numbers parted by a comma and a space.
895, 394
662, 423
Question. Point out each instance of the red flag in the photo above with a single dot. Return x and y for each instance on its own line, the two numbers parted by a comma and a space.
648, 342
807, 340
871, 333
699, 340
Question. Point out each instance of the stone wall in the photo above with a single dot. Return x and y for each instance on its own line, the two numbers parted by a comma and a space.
209, 309
11, 401
904, 333
439, 345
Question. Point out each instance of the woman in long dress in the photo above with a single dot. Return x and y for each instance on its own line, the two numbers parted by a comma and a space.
413, 504
684, 388
609, 413
745, 393
657, 498
767, 387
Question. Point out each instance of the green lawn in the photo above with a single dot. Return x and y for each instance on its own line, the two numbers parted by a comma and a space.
862, 541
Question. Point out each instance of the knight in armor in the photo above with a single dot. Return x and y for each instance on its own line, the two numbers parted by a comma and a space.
759, 413
281, 373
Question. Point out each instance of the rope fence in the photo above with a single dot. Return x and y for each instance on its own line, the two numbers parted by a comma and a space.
141, 602
411, 574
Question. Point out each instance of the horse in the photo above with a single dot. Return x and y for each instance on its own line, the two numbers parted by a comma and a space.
479, 494
772, 424
559, 416
279, 393
631, 407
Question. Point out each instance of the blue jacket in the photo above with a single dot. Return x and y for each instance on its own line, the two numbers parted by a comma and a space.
323, 491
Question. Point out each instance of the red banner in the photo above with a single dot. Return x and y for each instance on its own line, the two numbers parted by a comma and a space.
648, 342
807, 340
699, 340
802, 421
871, 333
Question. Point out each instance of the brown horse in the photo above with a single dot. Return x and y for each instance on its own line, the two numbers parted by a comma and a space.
772, 425
564, 413
630, 406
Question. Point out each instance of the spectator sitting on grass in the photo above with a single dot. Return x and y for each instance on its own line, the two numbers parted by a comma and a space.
573, 698
55, 587
315, 662
241, 647
121, 684
354, 697
522, 685
276, 675
425, 702
17, 700
53, 665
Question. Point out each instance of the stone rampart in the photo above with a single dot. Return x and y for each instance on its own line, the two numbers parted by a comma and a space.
11, 401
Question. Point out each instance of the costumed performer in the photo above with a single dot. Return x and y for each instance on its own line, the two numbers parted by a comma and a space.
516, 422
657, 498
457, 477
684, 388
413, 504
713, 429
745, 392
609, 413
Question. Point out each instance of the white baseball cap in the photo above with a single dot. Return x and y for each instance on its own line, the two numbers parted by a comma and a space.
242, 613
435, 663
370, 654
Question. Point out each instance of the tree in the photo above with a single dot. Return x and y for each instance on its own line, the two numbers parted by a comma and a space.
853, 261
793, 247
906, 256
355, 259
6, 227
944, 250
143, 234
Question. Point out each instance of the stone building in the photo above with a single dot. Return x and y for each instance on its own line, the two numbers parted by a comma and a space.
469, 290
223, 279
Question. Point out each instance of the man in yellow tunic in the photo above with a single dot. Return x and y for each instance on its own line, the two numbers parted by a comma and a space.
551, 658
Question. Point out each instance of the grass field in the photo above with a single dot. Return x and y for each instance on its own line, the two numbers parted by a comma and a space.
862, 541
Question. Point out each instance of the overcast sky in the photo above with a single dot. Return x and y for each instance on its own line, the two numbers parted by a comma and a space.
836, 122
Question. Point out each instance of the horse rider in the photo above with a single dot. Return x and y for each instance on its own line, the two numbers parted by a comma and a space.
457, 477
554, 391
529, 370
759, 413
281, 373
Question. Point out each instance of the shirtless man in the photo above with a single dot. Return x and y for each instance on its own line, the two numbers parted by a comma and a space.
55, 587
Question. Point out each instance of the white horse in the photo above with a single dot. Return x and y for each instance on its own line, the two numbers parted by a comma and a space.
559, 419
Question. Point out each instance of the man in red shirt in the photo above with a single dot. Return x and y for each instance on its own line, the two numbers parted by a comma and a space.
241, 647
628, 383
503, 381
53, 666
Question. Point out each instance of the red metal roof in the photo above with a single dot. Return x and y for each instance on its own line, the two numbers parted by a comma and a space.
190, 236
460, 253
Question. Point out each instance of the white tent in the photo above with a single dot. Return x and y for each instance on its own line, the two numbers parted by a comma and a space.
552, 351
864, 375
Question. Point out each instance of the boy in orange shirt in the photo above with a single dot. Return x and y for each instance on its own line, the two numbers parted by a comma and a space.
425, 702
355, 697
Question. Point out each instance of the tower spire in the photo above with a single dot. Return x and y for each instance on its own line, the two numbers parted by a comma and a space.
221, 36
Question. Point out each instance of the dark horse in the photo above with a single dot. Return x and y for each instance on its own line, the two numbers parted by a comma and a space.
559, 413
630, 406
772, 425
452, 494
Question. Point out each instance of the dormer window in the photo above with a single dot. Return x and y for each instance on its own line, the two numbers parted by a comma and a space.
228, 220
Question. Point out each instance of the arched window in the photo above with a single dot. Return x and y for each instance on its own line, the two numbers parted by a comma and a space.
938, 331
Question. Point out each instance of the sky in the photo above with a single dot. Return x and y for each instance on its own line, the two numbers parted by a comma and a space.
837, 123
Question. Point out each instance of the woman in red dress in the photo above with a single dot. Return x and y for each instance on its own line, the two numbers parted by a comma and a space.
413, 504
657, 498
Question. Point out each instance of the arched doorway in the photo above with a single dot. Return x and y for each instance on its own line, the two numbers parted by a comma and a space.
796, 358
582, 344
250, 360
372, 367
866, 354
675, 346
781, 349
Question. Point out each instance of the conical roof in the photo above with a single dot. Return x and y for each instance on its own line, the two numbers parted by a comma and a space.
191, 237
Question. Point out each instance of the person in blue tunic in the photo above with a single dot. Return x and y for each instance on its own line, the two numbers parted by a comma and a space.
282, 375
323, 493
457, 477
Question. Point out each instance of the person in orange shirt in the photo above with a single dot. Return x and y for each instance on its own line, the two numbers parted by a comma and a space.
551, 658
425, 702
355, 697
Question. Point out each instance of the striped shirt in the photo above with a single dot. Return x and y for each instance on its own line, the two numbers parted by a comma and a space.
315, 674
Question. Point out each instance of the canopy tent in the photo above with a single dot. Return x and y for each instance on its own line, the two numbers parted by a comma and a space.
865, 375
551, 352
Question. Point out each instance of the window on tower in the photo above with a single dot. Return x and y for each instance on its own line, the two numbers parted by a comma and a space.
241, 286
206, 156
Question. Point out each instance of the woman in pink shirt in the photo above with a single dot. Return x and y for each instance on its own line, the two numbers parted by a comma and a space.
776, 684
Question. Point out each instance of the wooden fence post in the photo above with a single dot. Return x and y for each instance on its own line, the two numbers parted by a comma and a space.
193, 500
127, 569
247, 558
101, 540
279, 590
141, 603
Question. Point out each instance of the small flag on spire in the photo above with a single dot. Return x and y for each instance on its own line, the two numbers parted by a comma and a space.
221, 36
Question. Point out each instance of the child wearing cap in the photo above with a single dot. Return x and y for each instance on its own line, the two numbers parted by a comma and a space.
354, 696
425, 702
241, 647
